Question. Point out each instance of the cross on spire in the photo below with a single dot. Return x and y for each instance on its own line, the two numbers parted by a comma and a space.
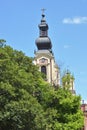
43, 10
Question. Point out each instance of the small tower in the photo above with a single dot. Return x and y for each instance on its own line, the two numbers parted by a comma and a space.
68, 82
44, 57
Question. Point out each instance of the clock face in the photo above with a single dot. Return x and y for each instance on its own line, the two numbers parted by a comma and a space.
43, 61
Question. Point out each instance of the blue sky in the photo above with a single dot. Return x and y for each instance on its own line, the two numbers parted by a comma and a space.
67, 20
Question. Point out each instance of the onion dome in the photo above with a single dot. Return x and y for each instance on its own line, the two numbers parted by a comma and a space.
43, 42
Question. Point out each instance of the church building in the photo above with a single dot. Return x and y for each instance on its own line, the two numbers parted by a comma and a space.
44, 57
45, 60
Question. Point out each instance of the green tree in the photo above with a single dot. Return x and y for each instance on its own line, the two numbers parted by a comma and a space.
19, 79
64, 111
27, 102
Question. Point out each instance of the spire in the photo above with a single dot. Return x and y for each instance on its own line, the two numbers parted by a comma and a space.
43, 26
43, 15
43, 18
43, 42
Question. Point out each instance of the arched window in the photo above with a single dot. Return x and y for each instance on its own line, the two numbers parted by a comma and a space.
43, 69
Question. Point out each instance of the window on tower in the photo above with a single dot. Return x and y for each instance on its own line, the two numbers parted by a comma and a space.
43, 69
43, 33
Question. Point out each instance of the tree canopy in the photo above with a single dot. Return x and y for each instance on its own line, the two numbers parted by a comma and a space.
27, 102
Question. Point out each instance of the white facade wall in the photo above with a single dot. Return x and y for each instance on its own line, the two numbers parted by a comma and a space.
51, 67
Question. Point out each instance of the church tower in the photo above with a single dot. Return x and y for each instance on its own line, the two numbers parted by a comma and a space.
68, 82
44, 57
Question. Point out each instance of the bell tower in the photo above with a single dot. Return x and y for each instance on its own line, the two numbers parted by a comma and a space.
44, 57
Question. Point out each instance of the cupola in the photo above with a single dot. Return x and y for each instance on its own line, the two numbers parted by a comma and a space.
43, 42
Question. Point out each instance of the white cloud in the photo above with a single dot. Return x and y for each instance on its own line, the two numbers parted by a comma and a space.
75, 20
66, 46
83, 73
